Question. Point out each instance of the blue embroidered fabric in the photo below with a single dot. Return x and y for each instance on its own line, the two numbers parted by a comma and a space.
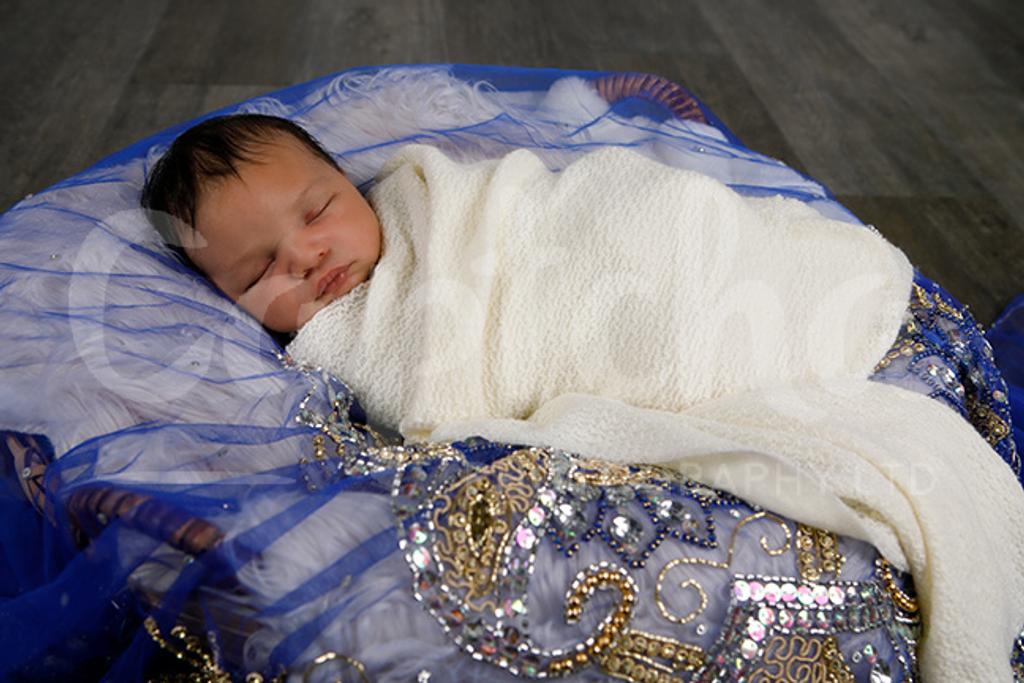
173, 485
942, 352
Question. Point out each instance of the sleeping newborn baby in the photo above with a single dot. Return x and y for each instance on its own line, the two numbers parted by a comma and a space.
461, 291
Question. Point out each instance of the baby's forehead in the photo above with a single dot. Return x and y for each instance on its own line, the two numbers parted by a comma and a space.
257, 157
273, 176
278, 142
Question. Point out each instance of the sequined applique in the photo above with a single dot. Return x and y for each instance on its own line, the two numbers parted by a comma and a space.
592, 499
767, 634
479, 516
470, 534
350, 439
610, 630
903, 601
690, 583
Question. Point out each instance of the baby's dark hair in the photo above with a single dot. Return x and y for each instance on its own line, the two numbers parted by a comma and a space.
209, 150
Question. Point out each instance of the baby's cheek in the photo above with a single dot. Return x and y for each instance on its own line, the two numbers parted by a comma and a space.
269, 308
285, 313
306, 311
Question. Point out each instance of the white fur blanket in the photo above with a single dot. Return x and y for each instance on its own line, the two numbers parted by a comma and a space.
862, 458
503, 284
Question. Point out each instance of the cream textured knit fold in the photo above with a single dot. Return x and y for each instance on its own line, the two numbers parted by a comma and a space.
870, 460
503, 284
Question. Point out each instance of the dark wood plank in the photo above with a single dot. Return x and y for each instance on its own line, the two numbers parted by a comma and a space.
852, 130
1009, 12
882, 104
183, 46
936, 62
911, 111
920, 225
149, 107
502, 32
275, 43
337, 35
946, 78
61, 85
996, 29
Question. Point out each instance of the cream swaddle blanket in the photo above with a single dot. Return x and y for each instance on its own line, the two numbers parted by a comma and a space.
503, 284
897, 469
627, 310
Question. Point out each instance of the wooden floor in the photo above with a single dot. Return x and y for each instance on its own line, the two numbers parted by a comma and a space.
912, 112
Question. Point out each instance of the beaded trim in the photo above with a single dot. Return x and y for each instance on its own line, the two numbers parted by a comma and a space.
817, 553
470, 535
202, 665
766, 611
201, 662
943, 347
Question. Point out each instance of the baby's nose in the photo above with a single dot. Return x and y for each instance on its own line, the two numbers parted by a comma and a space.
306, 258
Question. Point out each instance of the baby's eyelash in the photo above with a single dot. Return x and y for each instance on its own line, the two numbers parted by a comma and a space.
322, 208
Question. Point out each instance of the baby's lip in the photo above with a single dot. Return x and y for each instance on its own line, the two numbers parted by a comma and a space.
326, 280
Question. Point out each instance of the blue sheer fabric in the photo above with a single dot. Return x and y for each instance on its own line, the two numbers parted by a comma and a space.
164, 458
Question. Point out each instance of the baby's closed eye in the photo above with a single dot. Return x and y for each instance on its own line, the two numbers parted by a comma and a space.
316, 213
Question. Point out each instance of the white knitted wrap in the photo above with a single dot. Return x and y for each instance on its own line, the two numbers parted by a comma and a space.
503, 284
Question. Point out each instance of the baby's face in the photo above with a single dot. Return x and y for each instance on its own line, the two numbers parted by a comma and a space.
286, 237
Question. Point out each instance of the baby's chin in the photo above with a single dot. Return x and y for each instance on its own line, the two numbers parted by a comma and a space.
288, 324
309, 310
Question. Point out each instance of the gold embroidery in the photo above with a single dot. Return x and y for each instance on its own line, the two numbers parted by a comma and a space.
921, 296
983, 417
691, 583
621, 652
946, 308
817, 553
604, 473
906, 347
319, 452
330, 657
475, 517
688, 583
610, 630
788, 659
204, 669
382, 457
795, 658
902, 600
397, 456
634, 657
190, 652
838, 670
